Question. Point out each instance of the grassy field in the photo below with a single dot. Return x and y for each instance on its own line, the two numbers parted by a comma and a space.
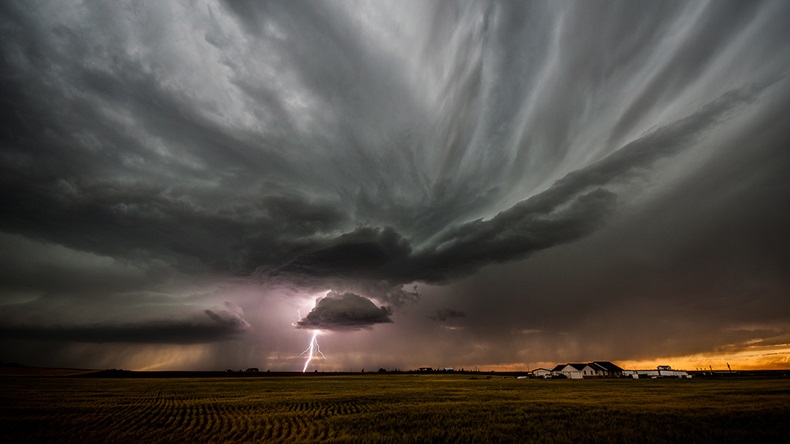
392, 408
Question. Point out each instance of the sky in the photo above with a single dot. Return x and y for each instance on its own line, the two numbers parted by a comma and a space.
494, 185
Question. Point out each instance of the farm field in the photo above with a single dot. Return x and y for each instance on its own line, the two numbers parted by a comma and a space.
392, 408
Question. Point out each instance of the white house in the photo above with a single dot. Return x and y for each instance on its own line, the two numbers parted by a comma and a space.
597, 369
541, 372
576, 371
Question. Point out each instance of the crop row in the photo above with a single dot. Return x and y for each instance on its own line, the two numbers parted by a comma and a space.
389, 410
157, 412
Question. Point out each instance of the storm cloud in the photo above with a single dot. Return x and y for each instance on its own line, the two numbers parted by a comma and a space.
219, 325
165, 158
346, 311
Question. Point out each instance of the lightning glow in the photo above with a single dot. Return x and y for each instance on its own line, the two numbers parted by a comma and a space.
312, 351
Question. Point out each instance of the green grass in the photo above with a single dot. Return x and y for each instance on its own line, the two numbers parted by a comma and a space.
392, 408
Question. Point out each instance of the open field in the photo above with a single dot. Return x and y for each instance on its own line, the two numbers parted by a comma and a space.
392, 408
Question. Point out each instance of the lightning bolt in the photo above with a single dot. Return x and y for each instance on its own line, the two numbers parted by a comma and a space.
312, 351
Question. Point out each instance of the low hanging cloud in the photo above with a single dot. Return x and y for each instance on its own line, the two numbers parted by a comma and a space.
212, 325
346, 311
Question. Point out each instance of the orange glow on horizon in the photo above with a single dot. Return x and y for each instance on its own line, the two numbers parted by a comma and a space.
762, 358
772, 359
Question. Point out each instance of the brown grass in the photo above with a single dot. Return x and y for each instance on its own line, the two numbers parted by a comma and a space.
393, 408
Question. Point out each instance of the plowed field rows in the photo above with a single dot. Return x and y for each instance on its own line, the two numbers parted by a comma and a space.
393, 408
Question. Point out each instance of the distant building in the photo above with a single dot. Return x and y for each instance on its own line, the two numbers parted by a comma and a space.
609, 369
597, 369
541, 372
576, 371
662, 371
606, 369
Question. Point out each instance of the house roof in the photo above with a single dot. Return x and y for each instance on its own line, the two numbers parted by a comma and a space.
609, 366
604, 366
577, 366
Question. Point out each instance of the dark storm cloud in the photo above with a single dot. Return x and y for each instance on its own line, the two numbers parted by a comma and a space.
221, 325
345, 311
85, 184
570, 209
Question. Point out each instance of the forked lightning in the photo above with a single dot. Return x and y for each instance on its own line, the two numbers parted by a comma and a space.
312, 351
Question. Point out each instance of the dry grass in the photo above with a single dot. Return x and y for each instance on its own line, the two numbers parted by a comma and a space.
392, 408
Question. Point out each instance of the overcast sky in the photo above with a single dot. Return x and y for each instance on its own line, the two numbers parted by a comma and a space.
493, 185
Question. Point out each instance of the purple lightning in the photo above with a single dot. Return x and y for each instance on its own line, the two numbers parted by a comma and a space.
312, 351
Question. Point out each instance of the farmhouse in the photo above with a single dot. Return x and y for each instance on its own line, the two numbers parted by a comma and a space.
606, 369
596, 369
575, 371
